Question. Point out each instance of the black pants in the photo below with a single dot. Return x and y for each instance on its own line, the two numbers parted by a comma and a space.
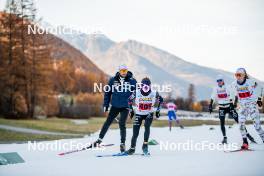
122, 122
136, 127
222, 114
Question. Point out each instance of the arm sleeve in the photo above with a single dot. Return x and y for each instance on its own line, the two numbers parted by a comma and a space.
257, 89
134, 84
231, 95
213, 95
232, 90
108, 94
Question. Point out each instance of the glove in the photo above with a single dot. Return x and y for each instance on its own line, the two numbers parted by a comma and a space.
158, 113
259, 102
210, 108
235, 105
232, 107
105, 108
131, 114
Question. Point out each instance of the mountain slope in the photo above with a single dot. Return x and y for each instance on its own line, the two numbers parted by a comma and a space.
146, 60
61, 50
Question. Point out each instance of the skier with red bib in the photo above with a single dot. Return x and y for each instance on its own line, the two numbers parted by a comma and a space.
222, 95
249, 98
144, 100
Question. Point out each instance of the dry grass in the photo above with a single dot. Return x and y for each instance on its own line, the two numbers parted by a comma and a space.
11, 137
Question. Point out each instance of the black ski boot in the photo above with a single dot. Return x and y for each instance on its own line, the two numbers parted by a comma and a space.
130, 151
181, 127
251, 138
145, 149
245, 144
224, 141
122, 147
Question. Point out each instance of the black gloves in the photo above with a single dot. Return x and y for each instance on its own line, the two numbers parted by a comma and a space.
105, 108
235, 102
157, 113
259, 102
232, 107
210, 108
131, 113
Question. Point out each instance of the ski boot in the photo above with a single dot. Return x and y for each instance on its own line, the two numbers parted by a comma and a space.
145, 149
262, 137
224, 141
251, 138
130, 151
245, 144
181, 127
122, 147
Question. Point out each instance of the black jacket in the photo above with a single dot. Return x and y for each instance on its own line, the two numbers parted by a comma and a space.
118, 93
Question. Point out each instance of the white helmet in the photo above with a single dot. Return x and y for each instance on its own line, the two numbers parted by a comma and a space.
122, 67
241, 71
219, 77
241, 74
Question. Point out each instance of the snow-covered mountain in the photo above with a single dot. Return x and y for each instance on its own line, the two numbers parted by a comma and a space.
145, 60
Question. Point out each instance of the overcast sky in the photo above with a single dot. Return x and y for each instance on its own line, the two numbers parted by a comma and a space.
223, 34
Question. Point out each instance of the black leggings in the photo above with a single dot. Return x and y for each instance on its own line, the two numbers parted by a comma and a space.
222, 114
122, 122
136, 127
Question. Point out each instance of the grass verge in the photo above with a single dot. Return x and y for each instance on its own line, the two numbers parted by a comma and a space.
16, 137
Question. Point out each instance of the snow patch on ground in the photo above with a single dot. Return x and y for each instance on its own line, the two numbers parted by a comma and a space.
161, 162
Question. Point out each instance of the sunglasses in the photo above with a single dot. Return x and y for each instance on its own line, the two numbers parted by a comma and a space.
238, 75
123, 71
219, 80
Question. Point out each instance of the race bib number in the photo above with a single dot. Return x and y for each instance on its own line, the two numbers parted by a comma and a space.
222, 95
145, 106
244, 94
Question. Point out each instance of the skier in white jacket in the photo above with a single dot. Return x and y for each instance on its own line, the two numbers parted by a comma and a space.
249, 98
222, 95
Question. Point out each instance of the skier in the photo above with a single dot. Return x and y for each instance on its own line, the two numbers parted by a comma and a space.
121, 87
144, 100
248, 97
222, 95
172, 109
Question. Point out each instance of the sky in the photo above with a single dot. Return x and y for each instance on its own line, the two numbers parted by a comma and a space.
223, 34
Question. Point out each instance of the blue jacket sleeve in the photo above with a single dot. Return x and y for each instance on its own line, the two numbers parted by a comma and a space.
134, 83
108, 94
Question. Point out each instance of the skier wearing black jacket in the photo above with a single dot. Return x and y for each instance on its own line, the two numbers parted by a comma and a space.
121, 87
